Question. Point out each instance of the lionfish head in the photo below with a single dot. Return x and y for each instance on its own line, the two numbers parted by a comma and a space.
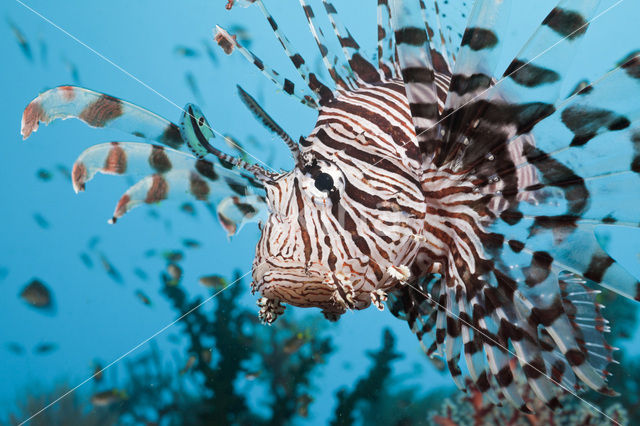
341, 227
298, 259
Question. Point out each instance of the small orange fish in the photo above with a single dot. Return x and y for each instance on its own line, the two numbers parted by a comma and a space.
108, 397
187, 366
216, 282
143, 298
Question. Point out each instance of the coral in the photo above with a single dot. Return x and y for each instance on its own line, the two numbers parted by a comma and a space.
228, 350
368, 390
470, 409
70, 410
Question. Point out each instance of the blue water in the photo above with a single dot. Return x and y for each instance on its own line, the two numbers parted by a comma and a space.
98, 318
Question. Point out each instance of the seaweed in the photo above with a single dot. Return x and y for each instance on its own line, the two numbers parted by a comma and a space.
70, 410
227, 346
231, 369
368, 390
470, 409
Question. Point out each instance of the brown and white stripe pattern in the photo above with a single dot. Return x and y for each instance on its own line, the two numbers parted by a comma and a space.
425, 183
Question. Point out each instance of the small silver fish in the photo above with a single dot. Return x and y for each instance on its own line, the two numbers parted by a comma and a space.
173, 255
175, 272
193, 87
141, 274
110, 269
64, 171
210, 53
93, 242
24, 45
252, 375
86, 260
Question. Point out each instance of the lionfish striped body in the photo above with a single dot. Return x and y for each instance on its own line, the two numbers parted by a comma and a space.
430, 182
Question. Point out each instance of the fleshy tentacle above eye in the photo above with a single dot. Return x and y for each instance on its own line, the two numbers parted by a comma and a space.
270, 123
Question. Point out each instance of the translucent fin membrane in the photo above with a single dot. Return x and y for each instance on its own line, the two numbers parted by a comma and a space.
329, 59
363, 69
539, 69
99, 110
235, 211
167, 174
296, 58
386, 42
412, 44
439, 54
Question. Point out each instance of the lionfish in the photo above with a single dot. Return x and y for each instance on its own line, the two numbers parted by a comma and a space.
462, 196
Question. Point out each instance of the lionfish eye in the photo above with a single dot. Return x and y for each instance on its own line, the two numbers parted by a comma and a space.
324, 182
201, 121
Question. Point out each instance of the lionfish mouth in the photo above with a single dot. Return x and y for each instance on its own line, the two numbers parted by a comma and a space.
295, 283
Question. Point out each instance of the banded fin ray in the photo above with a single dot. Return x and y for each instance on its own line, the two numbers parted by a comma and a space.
332, 63
540, 68
167, 174
386, 50
235, 211
362, 68
442, 62
565, 200
229, 44
99, 110
452, 17
296, 58
475, 69
412, 44
563, 132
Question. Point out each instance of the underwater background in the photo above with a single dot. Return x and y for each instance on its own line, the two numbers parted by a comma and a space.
110, 288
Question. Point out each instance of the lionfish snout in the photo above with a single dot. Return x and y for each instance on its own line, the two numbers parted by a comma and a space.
292, 282
312, 284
